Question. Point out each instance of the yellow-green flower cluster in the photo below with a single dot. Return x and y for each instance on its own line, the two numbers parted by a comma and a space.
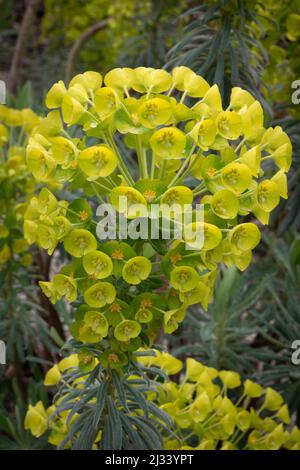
211, 409
44, 221
216, 410
189, 149
100, 276
16, 182
92, 276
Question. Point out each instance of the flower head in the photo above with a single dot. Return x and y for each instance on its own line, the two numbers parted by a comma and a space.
136, 270
127, 330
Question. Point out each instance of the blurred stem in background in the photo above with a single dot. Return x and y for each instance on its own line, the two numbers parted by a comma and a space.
79, 44
22, 43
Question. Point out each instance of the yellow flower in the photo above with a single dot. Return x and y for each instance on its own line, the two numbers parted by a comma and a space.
89, 80
136, 270
230, 379
68, 362
154, 112
201, 407
193, 369
252, 389
55, 95
36, 419
273, 400
53, 376
97, 161
79, 242
168, 142
229, 124
168, 363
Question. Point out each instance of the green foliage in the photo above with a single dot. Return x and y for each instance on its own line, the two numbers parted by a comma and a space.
218, 42
158, 26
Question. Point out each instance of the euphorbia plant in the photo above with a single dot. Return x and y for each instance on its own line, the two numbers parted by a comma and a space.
189, 150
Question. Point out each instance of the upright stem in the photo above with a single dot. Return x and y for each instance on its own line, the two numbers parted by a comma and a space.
97, 194
121, 163
43, 262
162, 170
181, 173
152, 171
240, 145
141, 158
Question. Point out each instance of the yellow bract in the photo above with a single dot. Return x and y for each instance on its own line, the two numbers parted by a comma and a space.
119, 78
244, 237
72, 109
268, 195
180, 195
136, 270
53, 376
79, 242
97, 161
97, 264
229, 124
204, 133
154, 112
56, 95
147, 79
40, 163
36, 419
168, 142
106, 101
100, 294
224, 204
237, 177
89, 80
128, 201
